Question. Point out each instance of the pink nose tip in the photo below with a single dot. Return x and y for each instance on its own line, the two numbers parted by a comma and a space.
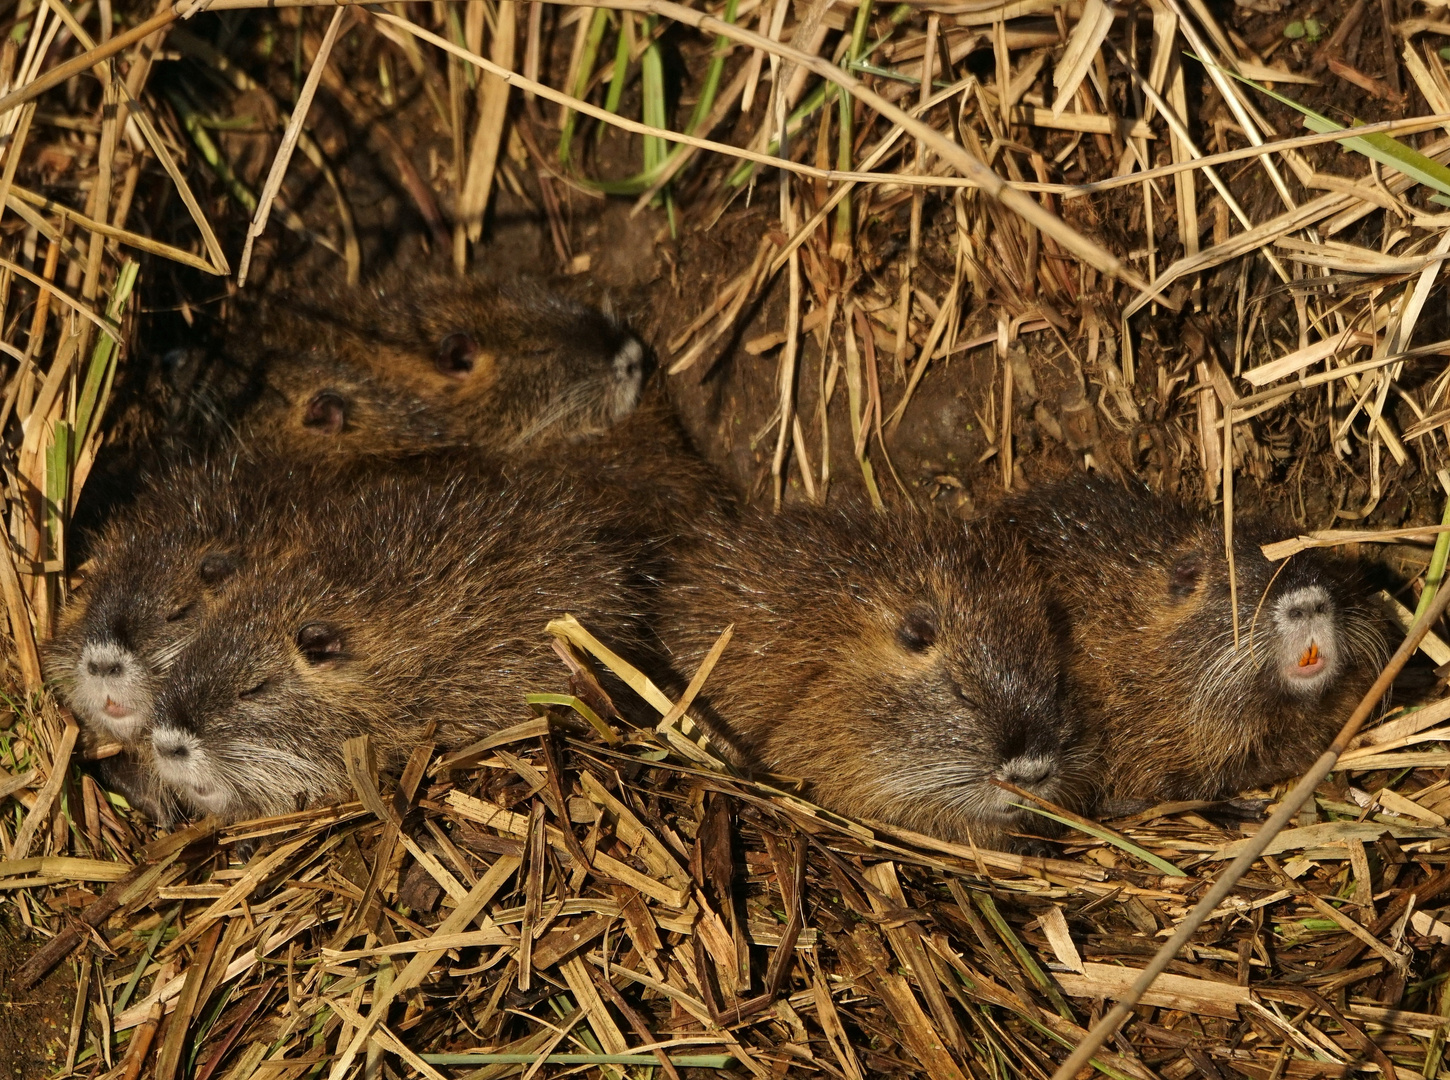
119, 712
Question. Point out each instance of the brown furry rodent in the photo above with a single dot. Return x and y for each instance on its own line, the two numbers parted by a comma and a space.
1185, 714
895, 664
151, 570
401, 365
504, 365
317, 402
421, 596
160, 561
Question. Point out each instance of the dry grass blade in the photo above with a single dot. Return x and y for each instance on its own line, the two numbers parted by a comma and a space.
289, 143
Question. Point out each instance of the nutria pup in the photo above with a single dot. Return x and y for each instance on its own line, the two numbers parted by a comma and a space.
1145, 585
508, 364
421, 597
896, 665
318, 402
159, 561
411, 362
150, 570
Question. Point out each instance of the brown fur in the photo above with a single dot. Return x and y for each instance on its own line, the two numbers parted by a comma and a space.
894, 664
401, 365
150, 574
505, 366
421, 597
161, 561
1183, 714
646, 466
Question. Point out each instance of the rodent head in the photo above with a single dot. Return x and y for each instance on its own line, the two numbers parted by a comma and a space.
516, 364
119, 633
236, 729
322, 402
933, 672
581, 374
1303, 623
974, 692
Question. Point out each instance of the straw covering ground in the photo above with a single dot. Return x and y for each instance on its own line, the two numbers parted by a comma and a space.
918, 253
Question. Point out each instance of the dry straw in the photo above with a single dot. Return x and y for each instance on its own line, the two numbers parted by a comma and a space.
578, 893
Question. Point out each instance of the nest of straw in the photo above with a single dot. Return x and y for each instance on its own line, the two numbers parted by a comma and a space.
956, 195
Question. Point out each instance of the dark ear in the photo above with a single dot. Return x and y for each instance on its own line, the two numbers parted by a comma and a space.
321, 643
1183, 578
326, 412
917, 631
217, 567
456, 354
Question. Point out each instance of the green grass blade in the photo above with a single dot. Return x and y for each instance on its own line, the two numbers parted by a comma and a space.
586, 68
711, 85
652, 82
1121, 842
569, 701
988, 907
103, 356
621, 67
1378, 147
1435, 575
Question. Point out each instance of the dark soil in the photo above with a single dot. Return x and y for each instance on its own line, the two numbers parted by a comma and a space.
35, 1026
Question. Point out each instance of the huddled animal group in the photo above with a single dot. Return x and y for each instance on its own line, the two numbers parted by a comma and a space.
414, 480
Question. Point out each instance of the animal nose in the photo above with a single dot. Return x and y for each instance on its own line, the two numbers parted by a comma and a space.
1028, 770
106, 669
177, 751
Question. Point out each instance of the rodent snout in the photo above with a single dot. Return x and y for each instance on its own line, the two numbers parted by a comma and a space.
1029, 771
629, 375
1306, 627
183, 764
110, 689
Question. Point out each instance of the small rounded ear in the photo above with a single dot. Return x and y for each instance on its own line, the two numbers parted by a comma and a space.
321, 643
917, 631
326, 412
217, 567
456, 354
1183, 578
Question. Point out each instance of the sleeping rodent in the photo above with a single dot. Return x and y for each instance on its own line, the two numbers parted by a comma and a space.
501, 366
421, 360
419, 594
896, 665
1145, 584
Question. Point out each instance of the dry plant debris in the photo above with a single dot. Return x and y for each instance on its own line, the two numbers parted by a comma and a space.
1078, 180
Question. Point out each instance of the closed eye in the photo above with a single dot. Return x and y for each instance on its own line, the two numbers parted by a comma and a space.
967, 700
181, 612
261, 688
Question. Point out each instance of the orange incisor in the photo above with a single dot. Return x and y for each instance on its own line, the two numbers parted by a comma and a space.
1311, 655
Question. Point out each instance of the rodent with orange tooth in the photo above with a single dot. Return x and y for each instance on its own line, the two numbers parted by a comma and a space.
1183, 711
